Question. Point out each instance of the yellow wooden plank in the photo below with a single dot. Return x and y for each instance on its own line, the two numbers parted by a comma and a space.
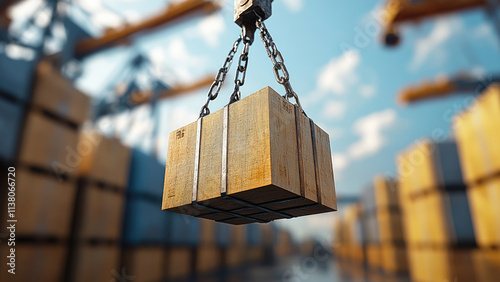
249, 148
210, 170
178, 189
325, 167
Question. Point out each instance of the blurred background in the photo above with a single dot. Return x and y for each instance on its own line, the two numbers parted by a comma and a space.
90, 90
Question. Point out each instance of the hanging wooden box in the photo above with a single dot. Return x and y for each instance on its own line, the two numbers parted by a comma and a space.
247, 159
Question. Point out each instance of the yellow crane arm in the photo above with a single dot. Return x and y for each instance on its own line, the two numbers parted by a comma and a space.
142, 97
173, 12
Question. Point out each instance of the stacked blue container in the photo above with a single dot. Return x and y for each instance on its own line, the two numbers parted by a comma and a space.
145, 223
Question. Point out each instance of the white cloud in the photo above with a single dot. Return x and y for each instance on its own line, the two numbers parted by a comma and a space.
367, 91
339, 73
334, 110
340, 161
294, 5
211, 28
181, 116
483, 30
431, 47
18, 52
370, 129
176, 54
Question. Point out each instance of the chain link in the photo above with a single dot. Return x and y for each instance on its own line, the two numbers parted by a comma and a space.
216, 86
274, 54
241, 70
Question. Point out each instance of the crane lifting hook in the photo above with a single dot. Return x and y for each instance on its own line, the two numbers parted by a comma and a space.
248, 12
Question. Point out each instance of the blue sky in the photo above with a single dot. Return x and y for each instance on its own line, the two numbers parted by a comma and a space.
346, 80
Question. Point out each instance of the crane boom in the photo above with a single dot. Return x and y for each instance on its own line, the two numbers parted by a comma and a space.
173, 12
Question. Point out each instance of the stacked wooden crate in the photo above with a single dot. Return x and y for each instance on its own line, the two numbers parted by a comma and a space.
40, 125
235, 255
478, 138
255, 242
145, 228
437, 218
209, 255
384, 234
184, 233
96, 237
284, 247
354, 233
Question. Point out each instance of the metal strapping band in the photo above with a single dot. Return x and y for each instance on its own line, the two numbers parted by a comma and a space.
315, 157
298, 133
197, 160
225, 127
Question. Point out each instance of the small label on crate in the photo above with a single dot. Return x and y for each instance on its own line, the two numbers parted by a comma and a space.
179, 134
171, 192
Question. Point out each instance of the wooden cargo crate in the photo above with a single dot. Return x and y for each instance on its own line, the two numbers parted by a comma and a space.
441, 264
58, 95
255, 254
104, 159
238, 236
145, 223
34, 262
144, 263
49, 144
208, 259
101, 213
235, 256
11, 117
394, 259
390, 226
440, 218
384, 226
429, 165
97, 263
484, 201
178, 262
373, 256
284, 247
207, 232
354, 225
476, 131
356, 253
45, 205
382, 194
264, 161
487, 264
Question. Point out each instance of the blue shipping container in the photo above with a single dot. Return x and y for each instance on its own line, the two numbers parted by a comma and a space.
11, 117
146, 175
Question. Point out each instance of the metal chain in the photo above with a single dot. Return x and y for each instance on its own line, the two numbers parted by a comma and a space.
278, 63
241, 69
216, 86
